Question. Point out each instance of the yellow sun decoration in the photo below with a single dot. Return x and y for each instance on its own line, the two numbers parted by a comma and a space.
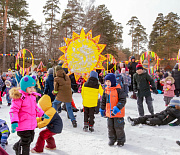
82, 54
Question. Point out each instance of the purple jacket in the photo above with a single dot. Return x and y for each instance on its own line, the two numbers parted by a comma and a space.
24, 111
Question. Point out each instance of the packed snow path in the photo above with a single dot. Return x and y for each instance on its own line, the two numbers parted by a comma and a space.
140, 140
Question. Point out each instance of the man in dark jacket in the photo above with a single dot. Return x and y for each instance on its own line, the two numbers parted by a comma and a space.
166, 116
176, 76
49, 84
141, 86
132, 69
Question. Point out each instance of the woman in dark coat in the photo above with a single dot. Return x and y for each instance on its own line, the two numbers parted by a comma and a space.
49, 84
176, 76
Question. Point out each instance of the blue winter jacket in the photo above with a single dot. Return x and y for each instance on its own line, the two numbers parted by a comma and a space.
13, 82
49, 86
119, 80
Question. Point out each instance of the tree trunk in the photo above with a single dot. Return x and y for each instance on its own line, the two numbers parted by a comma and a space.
5, 35
20, 34
132, 45
33, 41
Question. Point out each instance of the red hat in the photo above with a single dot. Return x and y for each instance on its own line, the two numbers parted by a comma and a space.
139, 66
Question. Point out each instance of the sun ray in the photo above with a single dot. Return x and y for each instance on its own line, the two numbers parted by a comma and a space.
96, 39
67, 41
75, 35
62, 58
82, 35
101, 47
63, 49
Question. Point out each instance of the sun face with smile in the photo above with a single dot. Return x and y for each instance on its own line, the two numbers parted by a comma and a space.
82, 54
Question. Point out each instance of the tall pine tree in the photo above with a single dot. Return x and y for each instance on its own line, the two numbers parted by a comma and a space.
133, 22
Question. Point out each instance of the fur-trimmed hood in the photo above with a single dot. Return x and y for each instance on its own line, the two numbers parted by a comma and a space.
17, 93
14, 93
169, 78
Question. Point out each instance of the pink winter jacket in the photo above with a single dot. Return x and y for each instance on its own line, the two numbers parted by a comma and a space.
24, 111
170, 92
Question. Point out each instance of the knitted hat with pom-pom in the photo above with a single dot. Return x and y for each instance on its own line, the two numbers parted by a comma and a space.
139, 66
27, 81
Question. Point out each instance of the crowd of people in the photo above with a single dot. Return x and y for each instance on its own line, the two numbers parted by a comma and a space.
104, 93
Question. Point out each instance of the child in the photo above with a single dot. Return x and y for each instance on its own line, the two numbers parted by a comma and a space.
6, 91
90, 91
168, 88
54, 126
113, 100
4, 133
126, 81
119, 78
23, 113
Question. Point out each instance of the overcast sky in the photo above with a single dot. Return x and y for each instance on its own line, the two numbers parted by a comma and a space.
122, 11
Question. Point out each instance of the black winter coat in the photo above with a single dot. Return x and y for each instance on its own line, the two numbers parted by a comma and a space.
49, 86
163, 118
176, 76
141, 84
132, 67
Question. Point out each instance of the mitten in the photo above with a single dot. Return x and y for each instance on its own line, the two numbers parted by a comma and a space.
45, 116
3, 93
102, 112
115, 110
13, 127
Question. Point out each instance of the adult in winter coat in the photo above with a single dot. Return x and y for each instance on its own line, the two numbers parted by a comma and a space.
54, 126
2, 85
141, 86
132, 69
176, 76
62, 90
166, 116
49, 84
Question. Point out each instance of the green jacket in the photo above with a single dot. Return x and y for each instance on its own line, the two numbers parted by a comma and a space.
142, 82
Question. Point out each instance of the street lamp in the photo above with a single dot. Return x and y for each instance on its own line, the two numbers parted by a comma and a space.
14, 53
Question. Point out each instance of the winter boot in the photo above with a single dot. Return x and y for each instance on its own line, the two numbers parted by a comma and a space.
130, 120
111, 142
91, 128
9, 104
120, 143
47, 148
86, 125
74, 123
178, 142
34, 151
0, 102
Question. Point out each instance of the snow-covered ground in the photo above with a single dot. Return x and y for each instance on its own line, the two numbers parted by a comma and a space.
140, 140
